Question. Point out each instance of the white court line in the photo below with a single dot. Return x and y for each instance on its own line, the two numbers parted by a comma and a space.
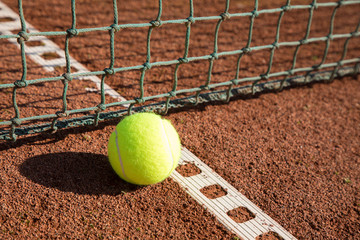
251, 229
47, 46
262, 223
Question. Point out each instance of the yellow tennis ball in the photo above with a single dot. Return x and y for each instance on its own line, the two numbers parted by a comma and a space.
144, 149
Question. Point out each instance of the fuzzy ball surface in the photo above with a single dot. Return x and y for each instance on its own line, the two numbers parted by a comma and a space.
144, 149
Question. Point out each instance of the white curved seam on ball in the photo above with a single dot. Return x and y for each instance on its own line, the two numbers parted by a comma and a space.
119, 154
168, 145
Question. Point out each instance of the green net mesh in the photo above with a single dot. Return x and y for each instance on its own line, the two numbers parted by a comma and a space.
175, 98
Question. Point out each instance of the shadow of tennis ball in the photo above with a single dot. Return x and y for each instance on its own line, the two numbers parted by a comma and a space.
77, 172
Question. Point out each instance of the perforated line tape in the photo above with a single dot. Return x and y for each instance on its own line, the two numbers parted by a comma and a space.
47, 46
262, 223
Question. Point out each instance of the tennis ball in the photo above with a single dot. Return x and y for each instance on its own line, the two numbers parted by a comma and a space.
144, 149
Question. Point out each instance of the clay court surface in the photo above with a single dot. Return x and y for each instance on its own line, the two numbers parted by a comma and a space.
294, 153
